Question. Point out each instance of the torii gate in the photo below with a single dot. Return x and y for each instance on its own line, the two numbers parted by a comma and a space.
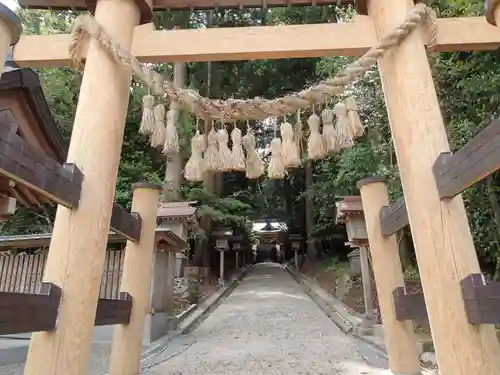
440, 229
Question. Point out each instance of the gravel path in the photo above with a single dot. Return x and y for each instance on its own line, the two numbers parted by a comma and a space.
99, 356
268, 325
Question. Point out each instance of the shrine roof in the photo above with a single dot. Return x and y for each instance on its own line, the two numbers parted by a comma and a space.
176, 211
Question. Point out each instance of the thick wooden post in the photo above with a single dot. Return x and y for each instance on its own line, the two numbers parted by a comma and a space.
10, 32
400, 339
136, 279
444, 246
77, 250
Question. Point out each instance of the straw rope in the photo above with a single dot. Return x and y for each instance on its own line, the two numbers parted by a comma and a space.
256, 108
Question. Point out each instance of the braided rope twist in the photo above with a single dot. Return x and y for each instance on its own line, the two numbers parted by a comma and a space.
256, 108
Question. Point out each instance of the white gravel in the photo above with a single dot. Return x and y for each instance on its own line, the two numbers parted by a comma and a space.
268, 325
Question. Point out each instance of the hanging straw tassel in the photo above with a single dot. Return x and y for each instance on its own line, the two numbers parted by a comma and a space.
254, 165
226, 159
237, 151
212, 157
290, 153
352, 114
148, 117
158, 135
193, 170
315, 149
276, 169
329, 133
344, 131
171, 144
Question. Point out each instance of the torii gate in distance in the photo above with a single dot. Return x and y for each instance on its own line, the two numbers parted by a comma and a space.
442, 237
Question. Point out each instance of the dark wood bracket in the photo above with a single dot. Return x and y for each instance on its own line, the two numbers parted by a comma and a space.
26, 312
409, 306
113, 311
481, 300
477, 159
393, 217
26, 165
127, 224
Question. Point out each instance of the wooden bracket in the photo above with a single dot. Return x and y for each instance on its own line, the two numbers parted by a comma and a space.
27, 312
481, 300
127, 224
393, 218
477, 159
113, 311
410, 306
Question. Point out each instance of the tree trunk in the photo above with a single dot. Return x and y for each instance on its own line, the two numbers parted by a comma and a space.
201, 254
312, 253
172, 181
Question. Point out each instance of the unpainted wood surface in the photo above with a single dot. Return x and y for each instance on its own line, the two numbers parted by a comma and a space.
260, 42
398, 335
443, 242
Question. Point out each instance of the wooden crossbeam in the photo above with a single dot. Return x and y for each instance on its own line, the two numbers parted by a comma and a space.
113, 311
29, 312
263, 42
393, 217
477, 159
409, 306
125, 223
481, 300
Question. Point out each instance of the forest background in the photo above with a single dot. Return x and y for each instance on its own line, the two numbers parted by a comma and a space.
468, 88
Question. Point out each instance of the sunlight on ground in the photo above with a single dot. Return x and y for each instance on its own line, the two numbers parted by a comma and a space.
273, 294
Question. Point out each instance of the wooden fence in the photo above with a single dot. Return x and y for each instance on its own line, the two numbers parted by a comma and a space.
23, 273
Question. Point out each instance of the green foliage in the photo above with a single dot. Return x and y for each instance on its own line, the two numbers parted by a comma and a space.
467, 85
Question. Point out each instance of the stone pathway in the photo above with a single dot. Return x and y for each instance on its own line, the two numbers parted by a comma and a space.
267, 326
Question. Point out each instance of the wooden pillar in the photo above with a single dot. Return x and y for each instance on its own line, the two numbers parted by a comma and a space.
443, 242
400, 339
10, 32
367, 285
77, 250
136, 279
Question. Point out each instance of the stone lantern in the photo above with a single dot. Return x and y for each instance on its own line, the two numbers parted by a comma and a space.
350, 213
296, 240
236, 241
222, 236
